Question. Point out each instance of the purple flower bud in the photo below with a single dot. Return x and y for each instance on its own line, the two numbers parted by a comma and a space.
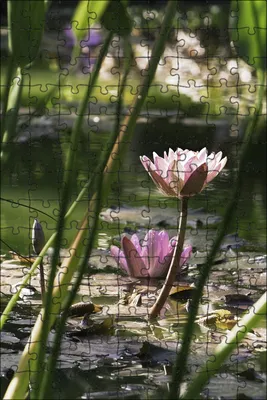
38, 238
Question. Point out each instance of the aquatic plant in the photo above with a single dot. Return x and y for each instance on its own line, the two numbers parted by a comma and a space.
150, 257
183, 173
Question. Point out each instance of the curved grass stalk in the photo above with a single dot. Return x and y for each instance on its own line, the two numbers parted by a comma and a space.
70, 169
27, 368
56, 287
11, 116
10, 70
95, 203
224, 349
180, 366
23, 46
19, 383
89, 232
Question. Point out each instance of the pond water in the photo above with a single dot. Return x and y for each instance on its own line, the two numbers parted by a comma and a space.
123, 356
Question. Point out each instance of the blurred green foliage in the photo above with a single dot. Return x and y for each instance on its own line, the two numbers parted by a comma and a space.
26, 24
248, 31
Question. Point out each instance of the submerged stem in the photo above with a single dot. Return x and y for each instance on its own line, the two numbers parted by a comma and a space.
175, 264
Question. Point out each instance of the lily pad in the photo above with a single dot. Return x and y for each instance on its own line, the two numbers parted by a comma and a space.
222, 319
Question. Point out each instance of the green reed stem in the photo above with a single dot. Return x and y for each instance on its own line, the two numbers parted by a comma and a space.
51, 365
11, 304
18, 385
67, 181
124, 136
224, 349
10, 71
121, 86
175, 264
48, 244
129, 121
182, 356
11, 115
92, 218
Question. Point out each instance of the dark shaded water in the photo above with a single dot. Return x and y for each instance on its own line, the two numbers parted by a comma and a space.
34, 176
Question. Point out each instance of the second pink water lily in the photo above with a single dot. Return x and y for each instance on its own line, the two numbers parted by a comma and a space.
183, 173
150, 257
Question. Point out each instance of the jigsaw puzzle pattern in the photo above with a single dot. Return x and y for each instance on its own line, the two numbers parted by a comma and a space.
201, 97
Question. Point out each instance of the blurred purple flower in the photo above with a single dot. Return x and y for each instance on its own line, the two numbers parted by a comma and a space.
148, 258
92, 39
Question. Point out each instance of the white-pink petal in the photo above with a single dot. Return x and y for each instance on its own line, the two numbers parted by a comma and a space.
161, 166
217, 170
136, 243
172, 172
120, 258
147, 163
163, 238
213, 160
185, 255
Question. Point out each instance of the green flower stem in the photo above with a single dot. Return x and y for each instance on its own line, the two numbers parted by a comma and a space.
175, 264
11, 116
182, 356
10, 71
225, 348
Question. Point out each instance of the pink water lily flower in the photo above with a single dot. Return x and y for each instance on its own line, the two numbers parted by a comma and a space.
148, 258
184, 173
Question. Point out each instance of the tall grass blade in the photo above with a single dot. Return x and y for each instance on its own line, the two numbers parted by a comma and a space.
25, 30
18, 385
179, 369
92, 215
11, 116
54, 291
248, 31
